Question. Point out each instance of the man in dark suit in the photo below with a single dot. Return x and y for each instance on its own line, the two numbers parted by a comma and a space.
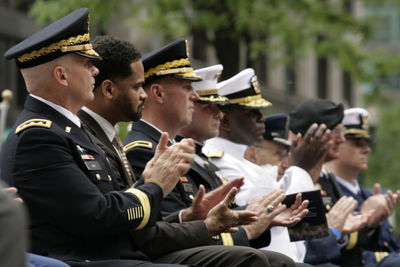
78, 213
119, 96
383, 249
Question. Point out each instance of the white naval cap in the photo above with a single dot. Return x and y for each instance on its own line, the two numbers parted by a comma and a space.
207, 87
355, 122
243, 90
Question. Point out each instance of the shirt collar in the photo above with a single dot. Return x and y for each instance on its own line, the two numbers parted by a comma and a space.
107, 127
235, 149
68, 114
355, 189
171, 140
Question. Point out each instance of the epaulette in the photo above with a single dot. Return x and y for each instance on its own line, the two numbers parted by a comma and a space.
145, 144
33, 123
215, 154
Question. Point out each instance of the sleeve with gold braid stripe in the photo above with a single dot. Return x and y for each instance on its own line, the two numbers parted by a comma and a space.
143, 213
352, 241
379, 256
227, 239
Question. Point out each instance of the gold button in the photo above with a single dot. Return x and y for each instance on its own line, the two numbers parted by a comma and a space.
191, 196
98, 177
386, 244
109, 178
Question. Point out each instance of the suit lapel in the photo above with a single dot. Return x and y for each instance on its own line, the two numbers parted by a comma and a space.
95, 129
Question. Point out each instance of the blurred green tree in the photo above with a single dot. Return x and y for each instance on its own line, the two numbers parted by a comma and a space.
293, 26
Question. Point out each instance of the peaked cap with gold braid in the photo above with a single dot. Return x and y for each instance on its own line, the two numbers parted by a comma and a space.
356, 124
207, 87
69, 34
243, 90
172, 59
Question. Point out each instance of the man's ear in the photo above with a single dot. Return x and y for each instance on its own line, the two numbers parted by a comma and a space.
108, 89
225, 124
157, 92
60, 74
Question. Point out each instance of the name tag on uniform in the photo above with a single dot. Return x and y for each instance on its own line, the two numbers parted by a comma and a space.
188, 188
93, 165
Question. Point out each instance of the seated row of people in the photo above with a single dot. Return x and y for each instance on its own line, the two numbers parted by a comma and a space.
187, 188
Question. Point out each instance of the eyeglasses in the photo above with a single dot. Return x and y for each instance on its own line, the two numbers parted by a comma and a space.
360, 142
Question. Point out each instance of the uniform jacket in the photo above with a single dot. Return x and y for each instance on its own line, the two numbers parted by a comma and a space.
163, 237
140, 147
383, 242
76, 209
94, 129
348, 254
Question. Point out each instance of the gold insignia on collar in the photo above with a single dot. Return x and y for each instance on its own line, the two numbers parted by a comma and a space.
215, 154
144, 144
33, 123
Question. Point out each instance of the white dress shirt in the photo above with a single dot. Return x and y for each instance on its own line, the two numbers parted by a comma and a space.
68, 114
354, 188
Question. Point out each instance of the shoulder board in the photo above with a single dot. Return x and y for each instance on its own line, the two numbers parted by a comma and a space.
145, 144
215, 154
33, 123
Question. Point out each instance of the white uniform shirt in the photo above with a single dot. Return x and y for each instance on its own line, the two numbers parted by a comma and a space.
260, 180
233, 165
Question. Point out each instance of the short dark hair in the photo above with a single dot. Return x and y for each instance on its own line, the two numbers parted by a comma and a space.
117, 57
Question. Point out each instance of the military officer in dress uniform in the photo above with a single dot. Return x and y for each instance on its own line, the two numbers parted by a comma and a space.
243, 125
382, 248
77, 212
227, 153
169, 107
341, 222
119, 96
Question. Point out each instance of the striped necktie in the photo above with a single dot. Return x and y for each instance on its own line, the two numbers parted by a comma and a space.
120, 149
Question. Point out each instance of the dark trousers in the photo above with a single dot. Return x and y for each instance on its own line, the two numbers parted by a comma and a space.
227, 256
122, 263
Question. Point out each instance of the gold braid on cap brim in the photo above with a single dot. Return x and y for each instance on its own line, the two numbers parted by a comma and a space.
207, 92
212, 98
360, 132
170, 68
254, 101
57, 46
